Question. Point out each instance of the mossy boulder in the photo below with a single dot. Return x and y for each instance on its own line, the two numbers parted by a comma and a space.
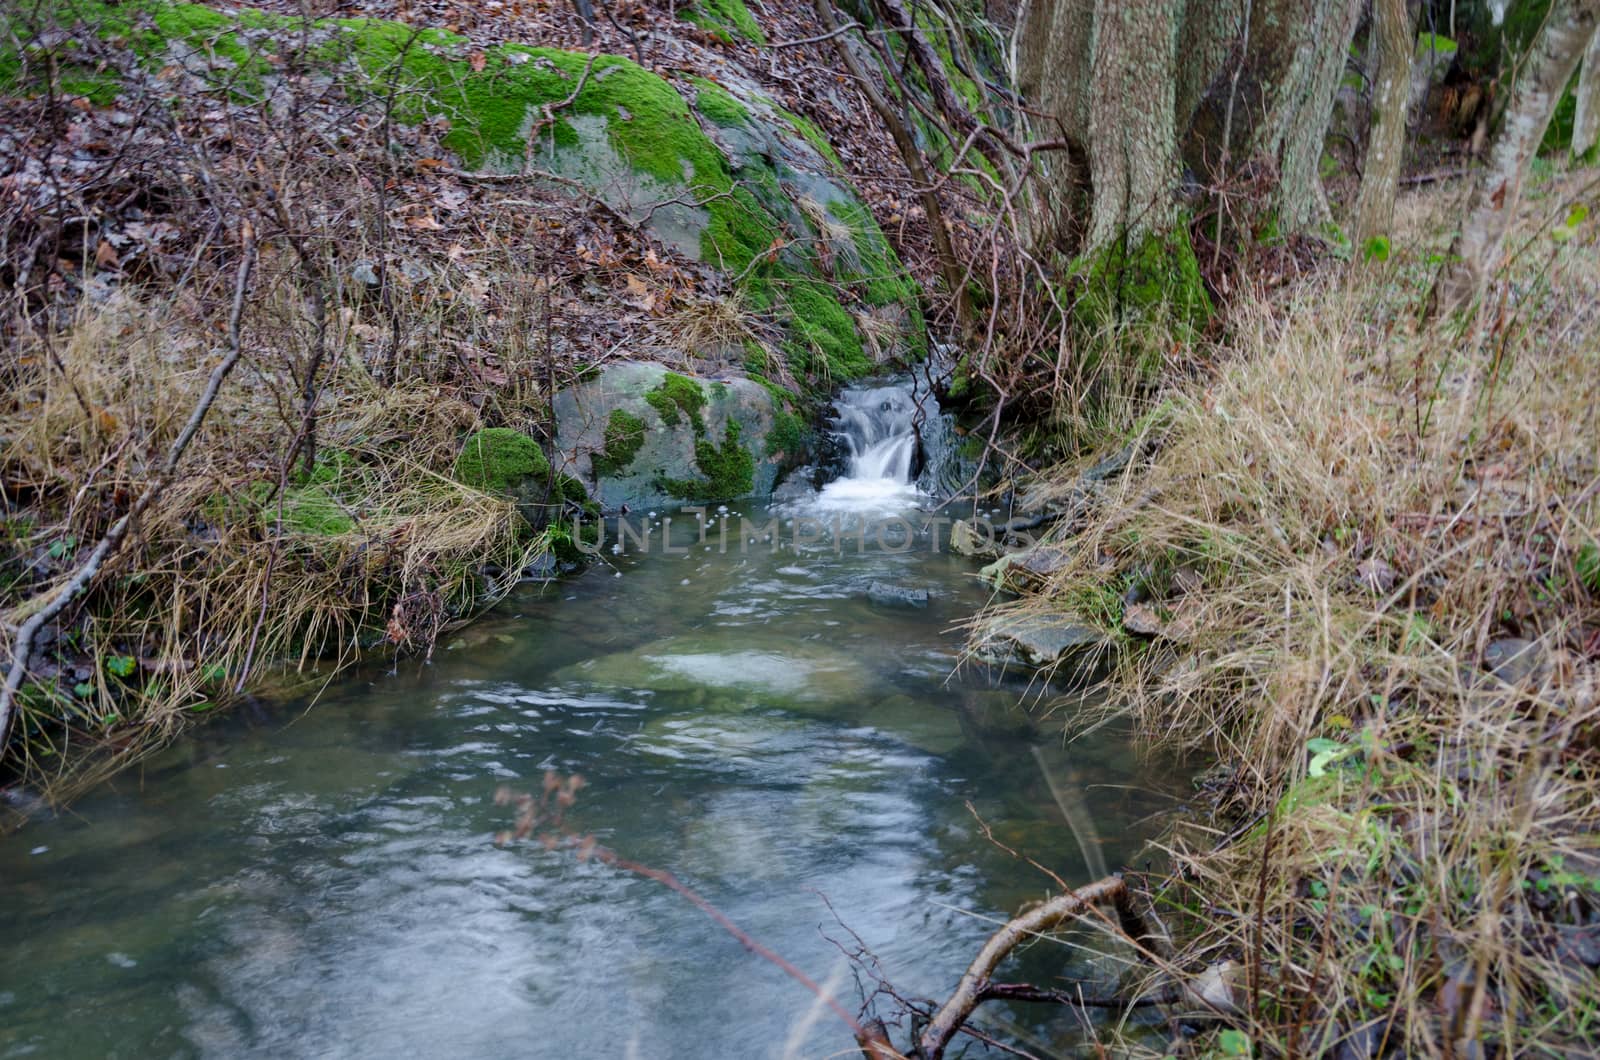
643, 435
772, 210
508, 463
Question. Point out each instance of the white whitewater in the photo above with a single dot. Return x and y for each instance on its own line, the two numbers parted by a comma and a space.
878, 428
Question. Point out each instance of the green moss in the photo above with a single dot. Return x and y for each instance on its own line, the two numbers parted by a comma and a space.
937, 35
678, 393
724, 17
718, 104
496, 459
812, 135
1156, 282
826, 344
316, 511
729, 470
623, 439
788, 434
886, 281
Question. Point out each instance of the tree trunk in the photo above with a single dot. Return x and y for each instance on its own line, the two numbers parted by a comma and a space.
1392, 32
1211, 32
1545, 72
1133, 149
1275, 106
1586, 125
1061, 90
1028, 43
1318, 42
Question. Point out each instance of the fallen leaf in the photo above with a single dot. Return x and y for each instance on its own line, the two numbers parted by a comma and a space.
1375, 575
478, 61
424, 223
1142, 619
105, 256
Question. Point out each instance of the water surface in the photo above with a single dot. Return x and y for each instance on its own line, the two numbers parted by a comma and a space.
322, 882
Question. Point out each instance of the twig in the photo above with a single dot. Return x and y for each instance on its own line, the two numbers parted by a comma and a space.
22, 646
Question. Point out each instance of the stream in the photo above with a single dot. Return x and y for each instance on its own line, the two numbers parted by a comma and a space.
782, 726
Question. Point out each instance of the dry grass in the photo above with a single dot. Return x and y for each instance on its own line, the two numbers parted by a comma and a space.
244, 567
1332, 542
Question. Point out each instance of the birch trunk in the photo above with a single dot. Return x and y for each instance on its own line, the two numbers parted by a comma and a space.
1392, 33
1545, 72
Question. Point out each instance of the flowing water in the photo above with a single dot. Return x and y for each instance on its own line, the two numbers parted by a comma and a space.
775, 723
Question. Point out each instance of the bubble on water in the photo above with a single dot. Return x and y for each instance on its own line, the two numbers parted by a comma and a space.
122, 960
684, 582
616, 549
38, 850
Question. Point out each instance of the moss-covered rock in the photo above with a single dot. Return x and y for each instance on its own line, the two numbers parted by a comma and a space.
726, 471
644, 436
678, 399
498, 459
726, 18
773, 209
623, 439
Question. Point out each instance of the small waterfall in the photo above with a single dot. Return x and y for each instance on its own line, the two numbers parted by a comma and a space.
894, 442
878, 429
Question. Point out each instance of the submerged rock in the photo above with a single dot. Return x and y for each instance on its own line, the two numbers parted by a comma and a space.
931, 729
892, 595
732, 673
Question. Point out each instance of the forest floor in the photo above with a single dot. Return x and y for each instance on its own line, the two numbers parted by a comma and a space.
1360, 567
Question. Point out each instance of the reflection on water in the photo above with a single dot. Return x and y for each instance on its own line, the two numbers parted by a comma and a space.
322, 882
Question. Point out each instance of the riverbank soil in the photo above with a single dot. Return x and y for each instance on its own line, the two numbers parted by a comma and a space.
1360, 564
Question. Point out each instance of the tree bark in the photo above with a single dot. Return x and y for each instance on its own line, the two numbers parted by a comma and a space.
1133, 149
1275, 106
1060, 89
1586, 125
1211, 31
1317, 43
1391, 94
1545, 72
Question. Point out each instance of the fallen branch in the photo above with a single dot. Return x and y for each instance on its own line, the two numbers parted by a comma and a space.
22, 646
946, 1023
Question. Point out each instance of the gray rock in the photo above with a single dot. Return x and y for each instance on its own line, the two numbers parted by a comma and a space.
1041, 639
666, 452
971, 538
1028, 569
1516, 661
896, 595
1579, 943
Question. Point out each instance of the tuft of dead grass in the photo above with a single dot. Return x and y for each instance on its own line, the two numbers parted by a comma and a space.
1323, 576
248, 565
